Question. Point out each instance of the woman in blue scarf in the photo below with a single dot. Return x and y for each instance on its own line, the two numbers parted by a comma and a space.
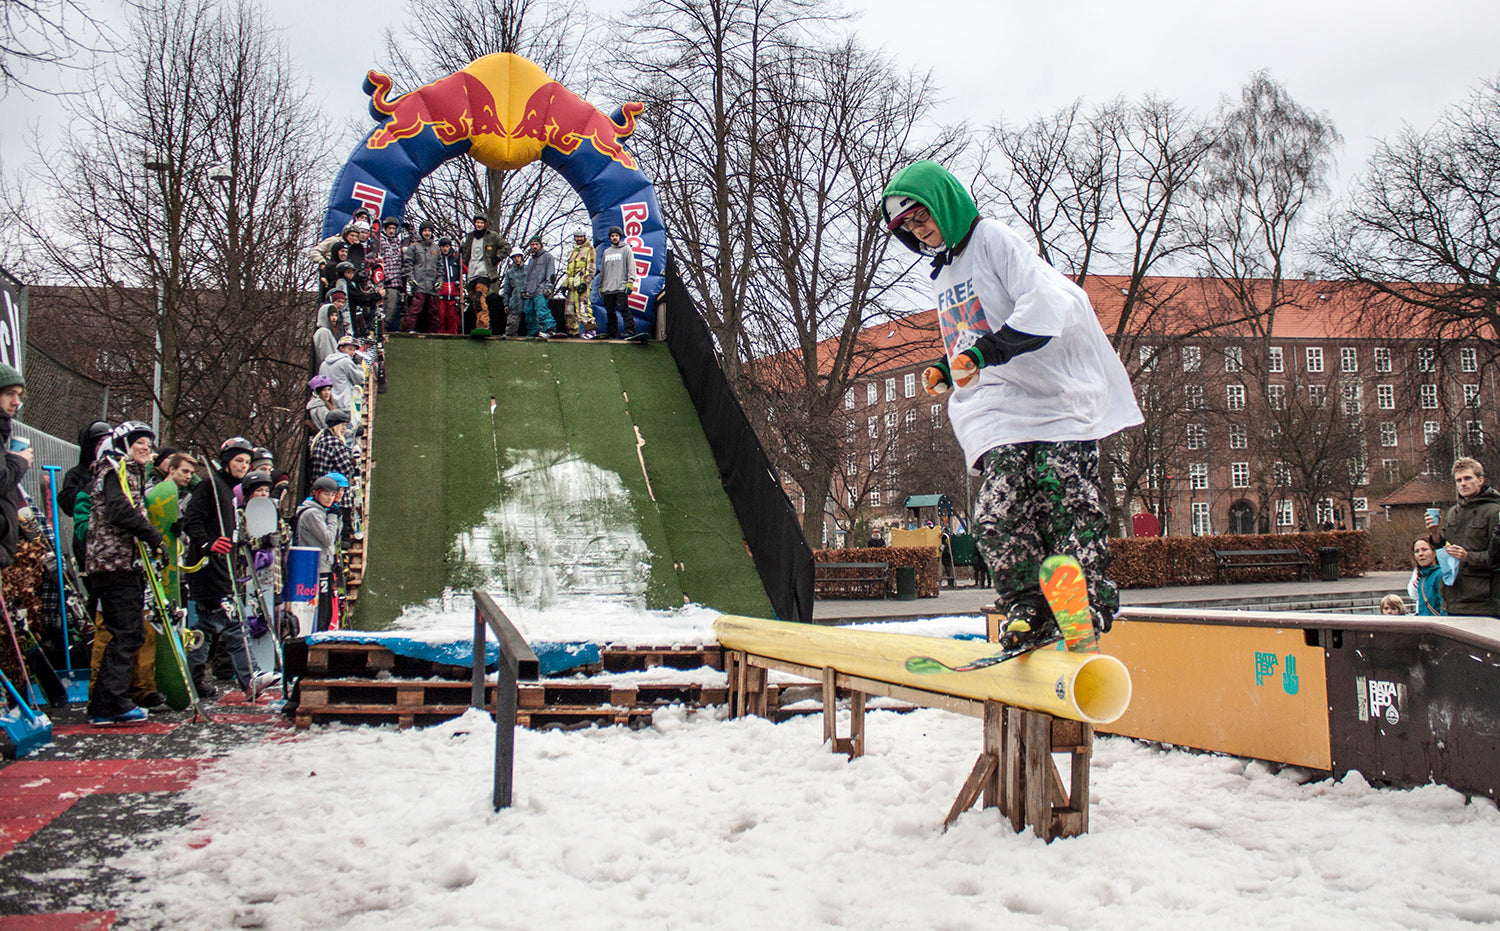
1426, 585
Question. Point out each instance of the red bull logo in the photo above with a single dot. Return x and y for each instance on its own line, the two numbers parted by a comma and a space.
531, 112
562, 120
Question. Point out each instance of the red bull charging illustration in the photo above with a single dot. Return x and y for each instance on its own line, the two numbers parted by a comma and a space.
505, 112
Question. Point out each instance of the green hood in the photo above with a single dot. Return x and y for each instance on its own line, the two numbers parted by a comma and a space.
942, 194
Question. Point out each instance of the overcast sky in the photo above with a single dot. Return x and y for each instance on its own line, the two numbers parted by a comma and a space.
1371, 65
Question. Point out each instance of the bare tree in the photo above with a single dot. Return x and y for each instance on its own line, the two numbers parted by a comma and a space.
177, 209
841, 122
1270, 159
1423, 224
46, 33
438, 39
698, 65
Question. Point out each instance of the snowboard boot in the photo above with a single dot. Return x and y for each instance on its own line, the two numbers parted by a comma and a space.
1028, 624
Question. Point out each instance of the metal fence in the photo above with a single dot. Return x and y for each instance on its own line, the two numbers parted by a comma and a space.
59, 400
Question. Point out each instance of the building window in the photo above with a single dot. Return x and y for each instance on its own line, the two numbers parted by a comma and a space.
1429, 397
1192, 358
1387, 434
872, 393
1317, 396
1354, 402
1281, 476
1382, 359
937, 416
874, 425
1474, 433
1430, 431
1235, 397
1197, 436
1426, 360
849, 495
1198, 475
890, 420
1234, 359
1284, 514
849, 400
1325, 511
1239, 437
1193, 396
1361, 504
1471, 395
1148, 358
909, 385
1239, 475
909, 419
1392, 468
1200, 519
1468, 359
1276, 365
1276, 397
874, 461
849, 465
890, 389
1314, 359
1348, 359
1385, 397
875, 496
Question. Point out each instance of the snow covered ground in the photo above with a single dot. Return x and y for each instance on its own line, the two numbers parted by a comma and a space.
698, 822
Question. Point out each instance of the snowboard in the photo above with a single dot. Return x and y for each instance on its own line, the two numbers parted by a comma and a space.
161, 510
1067, 594
261, 521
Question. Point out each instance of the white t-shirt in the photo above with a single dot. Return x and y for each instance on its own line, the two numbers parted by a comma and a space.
1073, 388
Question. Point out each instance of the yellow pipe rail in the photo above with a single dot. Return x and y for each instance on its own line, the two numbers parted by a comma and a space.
1091, 687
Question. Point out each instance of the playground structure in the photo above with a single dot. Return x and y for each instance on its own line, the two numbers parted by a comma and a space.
1034, 706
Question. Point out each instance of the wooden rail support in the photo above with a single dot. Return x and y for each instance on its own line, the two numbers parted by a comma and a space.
1016, 772
854, 744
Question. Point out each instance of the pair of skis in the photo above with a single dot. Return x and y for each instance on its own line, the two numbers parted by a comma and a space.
1067, 594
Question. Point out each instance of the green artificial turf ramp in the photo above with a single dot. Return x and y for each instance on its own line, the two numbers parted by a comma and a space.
517, 467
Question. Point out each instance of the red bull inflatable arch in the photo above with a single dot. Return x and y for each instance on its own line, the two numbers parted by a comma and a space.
505, 112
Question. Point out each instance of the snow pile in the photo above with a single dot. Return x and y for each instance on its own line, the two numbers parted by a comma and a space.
702, 823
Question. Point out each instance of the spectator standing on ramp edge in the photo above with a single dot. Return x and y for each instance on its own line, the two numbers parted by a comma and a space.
1035, 385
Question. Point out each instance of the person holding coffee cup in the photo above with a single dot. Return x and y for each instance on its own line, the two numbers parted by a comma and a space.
1466, 532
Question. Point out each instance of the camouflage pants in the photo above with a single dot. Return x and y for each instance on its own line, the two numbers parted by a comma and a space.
1039, 500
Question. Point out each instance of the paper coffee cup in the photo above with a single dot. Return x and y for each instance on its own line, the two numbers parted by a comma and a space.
1436, 514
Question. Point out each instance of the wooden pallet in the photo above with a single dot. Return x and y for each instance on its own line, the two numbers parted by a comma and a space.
582, 693
634, 659
376, 714
339, 658
576, 716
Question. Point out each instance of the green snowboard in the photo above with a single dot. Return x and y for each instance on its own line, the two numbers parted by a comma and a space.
172, 678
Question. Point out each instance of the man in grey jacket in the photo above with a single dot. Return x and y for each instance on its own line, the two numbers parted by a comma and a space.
616, 280
536, 287
421, 260
341, 368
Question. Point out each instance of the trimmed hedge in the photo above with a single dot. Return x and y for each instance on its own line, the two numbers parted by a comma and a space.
1156, 562
923, 558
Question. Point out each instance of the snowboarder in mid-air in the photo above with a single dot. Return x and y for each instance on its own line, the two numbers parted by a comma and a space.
1035, 385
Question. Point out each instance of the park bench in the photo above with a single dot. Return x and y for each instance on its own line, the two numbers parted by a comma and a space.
850, 579
1261, 559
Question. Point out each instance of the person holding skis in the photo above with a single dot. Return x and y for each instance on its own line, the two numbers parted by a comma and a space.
616, 280
1035, 385
117, 519
210, 524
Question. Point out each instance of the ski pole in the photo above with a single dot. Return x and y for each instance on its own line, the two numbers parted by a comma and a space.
62, 592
